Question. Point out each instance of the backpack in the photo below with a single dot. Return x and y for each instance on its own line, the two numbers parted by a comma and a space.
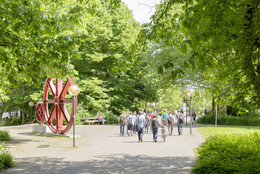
170, 120
164, 117
154, 124
181, 119
147, 120
122, 119
130, 120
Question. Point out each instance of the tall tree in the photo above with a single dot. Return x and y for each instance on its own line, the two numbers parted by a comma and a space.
221, 35
90, 40
105, 55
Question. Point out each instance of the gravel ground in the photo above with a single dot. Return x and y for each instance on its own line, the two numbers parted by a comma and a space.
100, 150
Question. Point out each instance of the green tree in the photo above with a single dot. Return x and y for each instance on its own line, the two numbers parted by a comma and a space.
91, 41
105, 55
222, 37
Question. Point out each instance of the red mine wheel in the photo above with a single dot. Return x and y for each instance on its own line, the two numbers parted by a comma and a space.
59, 109
40, 113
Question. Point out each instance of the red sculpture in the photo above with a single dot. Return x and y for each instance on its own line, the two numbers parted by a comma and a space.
59, 109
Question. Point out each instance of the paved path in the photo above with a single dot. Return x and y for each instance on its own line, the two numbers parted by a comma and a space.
101, 150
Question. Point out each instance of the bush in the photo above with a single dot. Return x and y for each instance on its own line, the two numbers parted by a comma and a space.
229, 154
231, 120
110, 117
4, 136
13, 121
6, 159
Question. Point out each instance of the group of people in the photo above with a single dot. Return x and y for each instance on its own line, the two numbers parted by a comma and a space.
141, 122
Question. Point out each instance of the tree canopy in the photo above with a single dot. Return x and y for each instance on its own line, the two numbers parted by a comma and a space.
91, 41
222, 38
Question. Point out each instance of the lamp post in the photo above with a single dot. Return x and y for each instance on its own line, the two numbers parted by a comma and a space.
31, 104
216, 119
184, 95
74, 91
190, 93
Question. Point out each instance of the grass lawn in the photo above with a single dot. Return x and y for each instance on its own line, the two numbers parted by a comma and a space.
225, 130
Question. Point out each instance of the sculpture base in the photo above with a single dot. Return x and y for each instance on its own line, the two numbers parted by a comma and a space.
71, 136
44, 129
41, 129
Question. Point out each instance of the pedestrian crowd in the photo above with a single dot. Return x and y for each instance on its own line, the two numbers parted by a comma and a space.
141, 122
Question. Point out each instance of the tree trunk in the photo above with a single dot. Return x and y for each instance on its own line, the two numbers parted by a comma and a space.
23, 117
1, 114
224, 109
213, 104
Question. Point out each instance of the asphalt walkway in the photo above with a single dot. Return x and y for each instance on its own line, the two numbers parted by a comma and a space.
101, 150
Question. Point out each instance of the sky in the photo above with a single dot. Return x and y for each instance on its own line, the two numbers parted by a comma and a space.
142, 9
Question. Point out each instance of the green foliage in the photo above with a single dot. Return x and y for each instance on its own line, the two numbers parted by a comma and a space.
6, 159
169, 98
170, 71
165, 66
33, 33
201, 100
106, 70
226, 60
81, 113
93, 95
231, 120
13, 121
229, 154
110, 117
4, 136
90, 41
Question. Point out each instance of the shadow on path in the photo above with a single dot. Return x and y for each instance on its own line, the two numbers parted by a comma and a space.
114, 163
20, 141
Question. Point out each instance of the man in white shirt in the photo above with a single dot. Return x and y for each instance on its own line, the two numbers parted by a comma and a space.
140, 122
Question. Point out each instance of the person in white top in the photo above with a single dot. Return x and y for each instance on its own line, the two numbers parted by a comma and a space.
130, 124
170, 123
140, 122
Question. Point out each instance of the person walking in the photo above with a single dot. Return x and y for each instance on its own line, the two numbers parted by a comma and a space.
134, 123
164, 118
155, 112
121, 121
154, 127
126, 123
147, 122
170, 123
180, 121
194, 116
151, 115
130, 124
140, 123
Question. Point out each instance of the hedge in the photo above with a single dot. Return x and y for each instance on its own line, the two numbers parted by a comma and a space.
229, 154
231, 120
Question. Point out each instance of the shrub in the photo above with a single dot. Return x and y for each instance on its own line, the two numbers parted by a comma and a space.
6, 159
229, 154
13, 121
231, 120
4, 136
110, 117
